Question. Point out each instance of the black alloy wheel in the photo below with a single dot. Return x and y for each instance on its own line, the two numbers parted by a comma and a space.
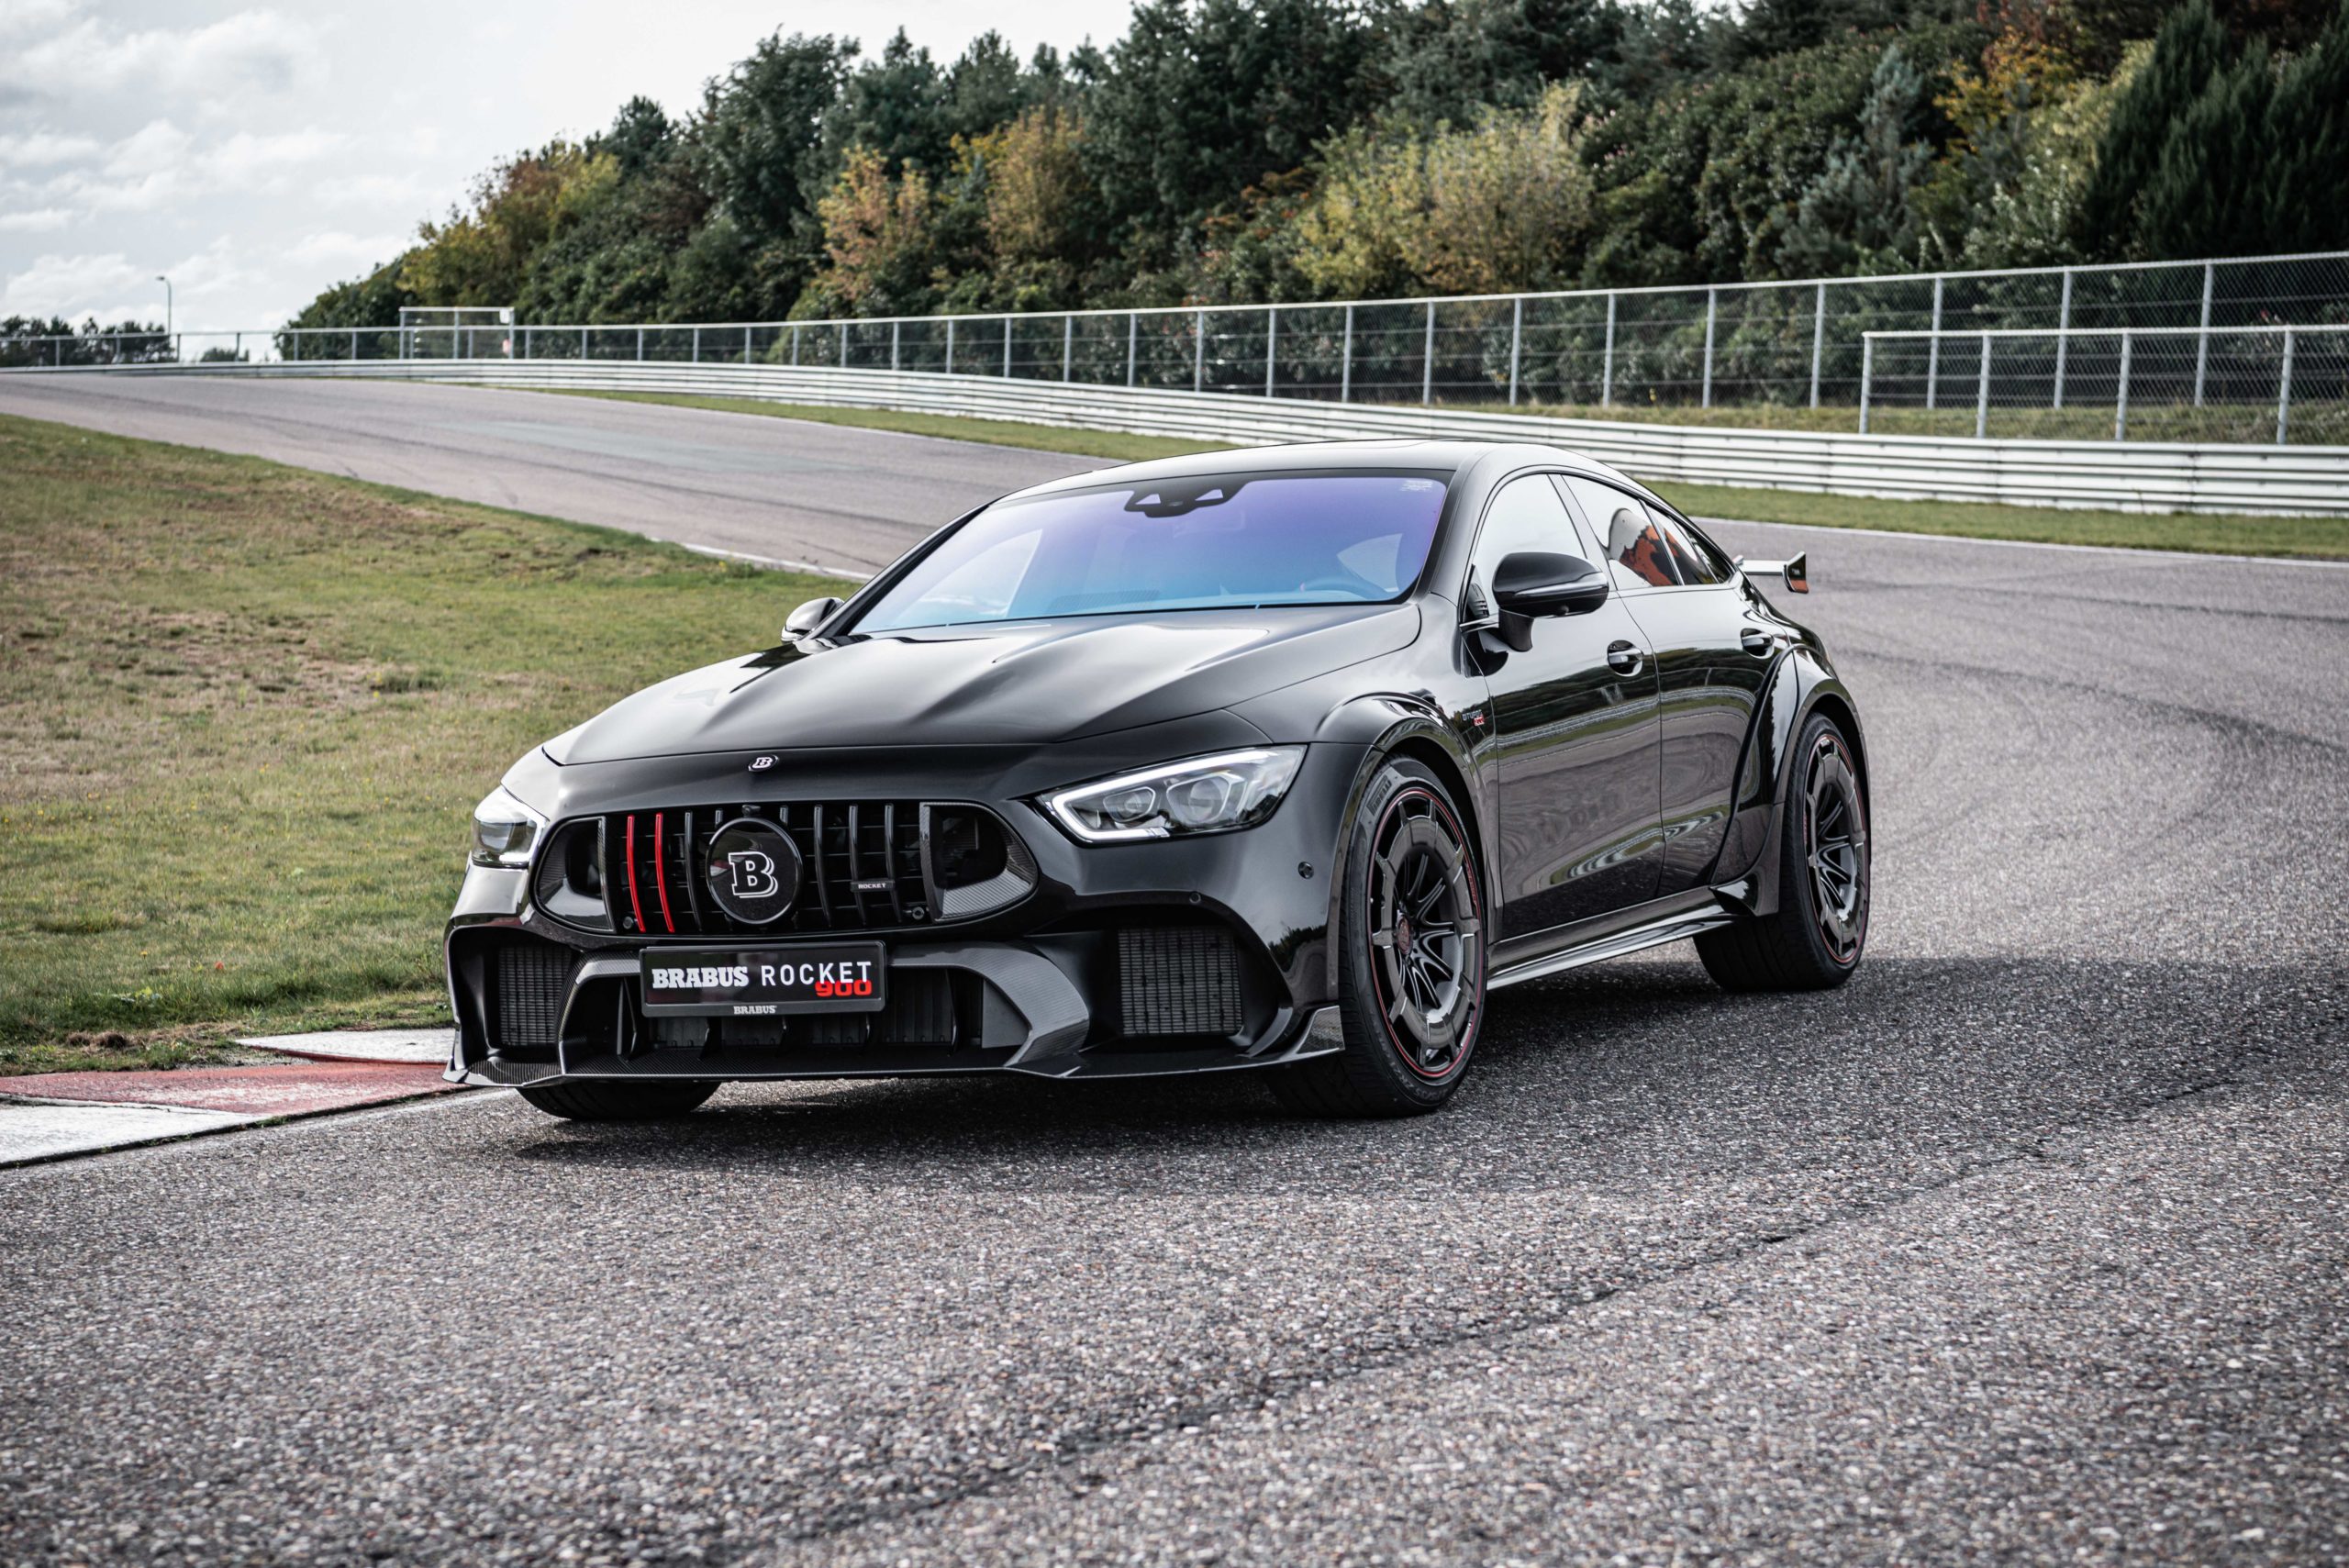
1816, 936
1411, 957
1837, 851
1424, 925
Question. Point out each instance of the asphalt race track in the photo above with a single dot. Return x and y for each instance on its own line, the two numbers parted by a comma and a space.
2028, 1246
836, 496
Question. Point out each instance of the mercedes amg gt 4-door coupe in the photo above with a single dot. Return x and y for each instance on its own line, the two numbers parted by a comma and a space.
1278, 760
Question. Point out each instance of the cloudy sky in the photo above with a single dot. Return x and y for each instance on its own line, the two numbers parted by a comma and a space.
257, 154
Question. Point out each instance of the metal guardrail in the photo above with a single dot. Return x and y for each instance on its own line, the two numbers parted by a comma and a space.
1787, 346
2210, 477
2234, 384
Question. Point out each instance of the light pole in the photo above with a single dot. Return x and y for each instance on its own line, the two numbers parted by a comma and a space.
167, 311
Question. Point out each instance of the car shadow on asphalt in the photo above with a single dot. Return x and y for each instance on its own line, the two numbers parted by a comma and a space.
1636, 1071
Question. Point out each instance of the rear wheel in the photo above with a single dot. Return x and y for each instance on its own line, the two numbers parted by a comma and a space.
1816, 938
619, 1099
1411, 959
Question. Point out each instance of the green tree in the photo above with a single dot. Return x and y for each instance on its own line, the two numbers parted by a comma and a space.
1857, 214
2189, 53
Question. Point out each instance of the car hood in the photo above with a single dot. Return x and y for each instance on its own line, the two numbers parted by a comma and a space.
1021, 682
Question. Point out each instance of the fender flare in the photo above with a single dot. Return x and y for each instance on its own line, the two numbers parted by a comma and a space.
1382, 724
1801, 684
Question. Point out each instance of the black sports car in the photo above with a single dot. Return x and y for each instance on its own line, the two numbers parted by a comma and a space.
1279, 759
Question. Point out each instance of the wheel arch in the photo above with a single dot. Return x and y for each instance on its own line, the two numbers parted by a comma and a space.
1396, 727
1803, 685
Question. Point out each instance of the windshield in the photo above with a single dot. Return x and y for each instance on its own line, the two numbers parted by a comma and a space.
1205, 541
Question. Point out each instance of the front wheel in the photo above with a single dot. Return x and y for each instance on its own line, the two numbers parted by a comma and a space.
619, 1099
1815, 939
1412, 960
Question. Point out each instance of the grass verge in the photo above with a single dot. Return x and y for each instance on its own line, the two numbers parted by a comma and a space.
2314, 538
249, 707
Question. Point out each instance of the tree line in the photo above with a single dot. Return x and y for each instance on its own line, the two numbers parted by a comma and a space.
1239, 150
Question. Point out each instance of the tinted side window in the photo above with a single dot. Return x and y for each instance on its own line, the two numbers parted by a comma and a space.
1637, 555
1696, 558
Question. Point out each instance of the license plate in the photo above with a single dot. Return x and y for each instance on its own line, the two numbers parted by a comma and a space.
751, 983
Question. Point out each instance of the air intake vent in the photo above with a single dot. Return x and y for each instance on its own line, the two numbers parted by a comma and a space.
532, 979
1178, 980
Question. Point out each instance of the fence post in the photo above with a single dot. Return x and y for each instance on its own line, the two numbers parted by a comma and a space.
746, 346
1712, 298
2121, 393
1133, 343
794, 348
640, 345
696, 345
843, 363
949, 346
1933, 350
1068, 347
2202, 339
1199, 352
583, 345
1817, 341
1271, 335
1982, 393
1007, 348
1867, 375
1516, 344
2063, 335
2284, 388
897, 339
1427, 360
1346, 362
1607, 365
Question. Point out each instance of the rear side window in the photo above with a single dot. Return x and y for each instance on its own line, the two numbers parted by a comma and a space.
1694, 556
1637, 553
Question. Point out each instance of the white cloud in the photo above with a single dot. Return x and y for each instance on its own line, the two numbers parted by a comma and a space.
41, 148
252, 50
338, 247
19, 17
155, 147
40, 221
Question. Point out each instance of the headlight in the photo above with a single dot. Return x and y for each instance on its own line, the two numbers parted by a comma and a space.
1207, 794
505, 830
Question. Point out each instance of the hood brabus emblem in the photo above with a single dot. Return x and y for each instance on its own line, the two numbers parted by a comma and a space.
761, 764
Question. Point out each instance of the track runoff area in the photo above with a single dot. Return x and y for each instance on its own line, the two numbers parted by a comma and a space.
2029, 1242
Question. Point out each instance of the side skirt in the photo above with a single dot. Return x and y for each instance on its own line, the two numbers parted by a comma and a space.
1648, 924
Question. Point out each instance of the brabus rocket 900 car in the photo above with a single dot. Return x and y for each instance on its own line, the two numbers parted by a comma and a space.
1276, 760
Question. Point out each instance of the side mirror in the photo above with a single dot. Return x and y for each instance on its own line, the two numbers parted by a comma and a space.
808, 616
1796, 572
1534, 584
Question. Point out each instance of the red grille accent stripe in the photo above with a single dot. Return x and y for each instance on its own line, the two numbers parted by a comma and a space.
661, 871
634, 907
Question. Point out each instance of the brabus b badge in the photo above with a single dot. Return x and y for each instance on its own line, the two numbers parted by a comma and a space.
761, 764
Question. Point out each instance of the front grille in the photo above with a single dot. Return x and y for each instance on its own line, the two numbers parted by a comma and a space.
1178, 980
531, 978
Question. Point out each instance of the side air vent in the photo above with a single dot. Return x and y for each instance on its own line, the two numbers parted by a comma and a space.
975, 867
532, 979
1178, 980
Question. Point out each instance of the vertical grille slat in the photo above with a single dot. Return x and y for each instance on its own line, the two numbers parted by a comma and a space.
856, 863
693, 891
823, 872
889, 861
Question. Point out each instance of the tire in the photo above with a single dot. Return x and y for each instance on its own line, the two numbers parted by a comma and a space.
1815, 939
1412, 960
619, 1099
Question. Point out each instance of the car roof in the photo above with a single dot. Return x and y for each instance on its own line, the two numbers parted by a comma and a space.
1460, 457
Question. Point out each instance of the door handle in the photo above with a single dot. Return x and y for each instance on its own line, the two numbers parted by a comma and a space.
1757, 641
1624, 658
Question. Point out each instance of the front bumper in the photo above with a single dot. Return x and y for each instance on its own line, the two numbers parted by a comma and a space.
1099, 972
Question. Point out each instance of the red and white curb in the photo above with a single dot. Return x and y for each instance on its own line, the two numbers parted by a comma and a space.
50, 1115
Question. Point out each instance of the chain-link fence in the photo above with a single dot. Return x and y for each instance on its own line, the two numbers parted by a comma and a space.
1786, 355
2264, 385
